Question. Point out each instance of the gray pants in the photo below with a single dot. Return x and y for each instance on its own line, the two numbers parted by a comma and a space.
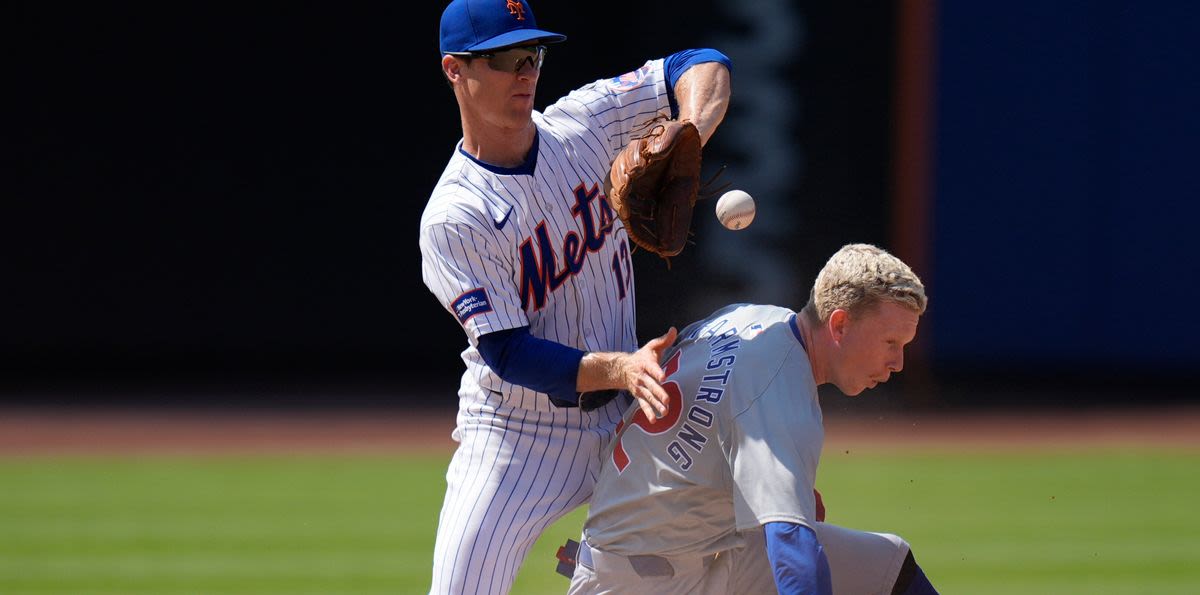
860, 563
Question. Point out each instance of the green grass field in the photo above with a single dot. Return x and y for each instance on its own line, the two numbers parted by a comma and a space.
1096, 522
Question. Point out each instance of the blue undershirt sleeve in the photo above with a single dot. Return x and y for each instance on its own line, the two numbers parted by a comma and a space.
545, 366
678, 63
797, 560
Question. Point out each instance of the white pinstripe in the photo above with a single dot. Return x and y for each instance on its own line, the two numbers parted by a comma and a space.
522, 462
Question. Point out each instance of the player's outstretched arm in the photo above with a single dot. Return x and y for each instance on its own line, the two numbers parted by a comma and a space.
703, 96
639, 373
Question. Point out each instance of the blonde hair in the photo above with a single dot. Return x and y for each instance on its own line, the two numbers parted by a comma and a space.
860, 276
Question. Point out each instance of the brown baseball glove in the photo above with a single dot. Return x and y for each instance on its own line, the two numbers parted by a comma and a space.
653, 185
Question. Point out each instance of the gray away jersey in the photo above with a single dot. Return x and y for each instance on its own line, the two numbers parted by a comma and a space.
739, 447
540, 246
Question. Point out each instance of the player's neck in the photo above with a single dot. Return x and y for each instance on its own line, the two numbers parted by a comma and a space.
502, 147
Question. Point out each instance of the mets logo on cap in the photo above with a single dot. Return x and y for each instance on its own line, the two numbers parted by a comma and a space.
516, 9
482, 25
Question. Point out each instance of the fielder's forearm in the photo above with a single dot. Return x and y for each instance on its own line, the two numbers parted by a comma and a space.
532, 362
703, 96
637, 372
599, 370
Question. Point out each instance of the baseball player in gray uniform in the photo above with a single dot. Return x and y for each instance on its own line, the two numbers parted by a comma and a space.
520, 245
717, 496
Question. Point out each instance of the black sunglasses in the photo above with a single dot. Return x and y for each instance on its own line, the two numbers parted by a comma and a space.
512, 59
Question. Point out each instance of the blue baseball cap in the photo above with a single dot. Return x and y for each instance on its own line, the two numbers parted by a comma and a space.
481, 25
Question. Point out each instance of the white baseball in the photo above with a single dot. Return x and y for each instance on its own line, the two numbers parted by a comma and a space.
735, 209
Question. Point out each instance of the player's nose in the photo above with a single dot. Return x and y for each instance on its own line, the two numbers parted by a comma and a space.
527, 70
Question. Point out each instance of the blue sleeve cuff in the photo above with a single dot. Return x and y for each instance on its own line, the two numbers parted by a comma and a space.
678, 63
797, 560
545, 366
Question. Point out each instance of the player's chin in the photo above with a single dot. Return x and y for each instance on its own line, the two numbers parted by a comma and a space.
853, 391
521, 116
862, 388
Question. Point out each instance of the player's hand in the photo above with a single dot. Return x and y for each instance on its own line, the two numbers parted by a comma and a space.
820, 506
638, 373
642, 375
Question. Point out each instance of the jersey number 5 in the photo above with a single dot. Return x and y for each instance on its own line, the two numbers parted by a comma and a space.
658, 426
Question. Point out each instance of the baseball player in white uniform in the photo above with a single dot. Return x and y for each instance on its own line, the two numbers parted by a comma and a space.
520, 245
717, 496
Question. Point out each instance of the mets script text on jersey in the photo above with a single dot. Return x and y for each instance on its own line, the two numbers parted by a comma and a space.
540, 271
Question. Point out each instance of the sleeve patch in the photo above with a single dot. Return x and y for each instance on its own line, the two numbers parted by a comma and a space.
630, 80
471, 303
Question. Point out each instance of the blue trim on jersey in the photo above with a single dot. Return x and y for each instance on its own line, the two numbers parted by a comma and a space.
797, 560
525, 169
794, 322
676, 64
525, 360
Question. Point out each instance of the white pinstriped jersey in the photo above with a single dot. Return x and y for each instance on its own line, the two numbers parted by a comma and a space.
541, 247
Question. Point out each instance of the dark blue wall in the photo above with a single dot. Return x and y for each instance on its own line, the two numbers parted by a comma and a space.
1066, 201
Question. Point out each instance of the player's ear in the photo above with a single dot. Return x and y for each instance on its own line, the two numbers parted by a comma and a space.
838, 321
451, 68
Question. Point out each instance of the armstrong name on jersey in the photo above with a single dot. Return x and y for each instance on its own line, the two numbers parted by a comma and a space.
722, 340
710, 391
